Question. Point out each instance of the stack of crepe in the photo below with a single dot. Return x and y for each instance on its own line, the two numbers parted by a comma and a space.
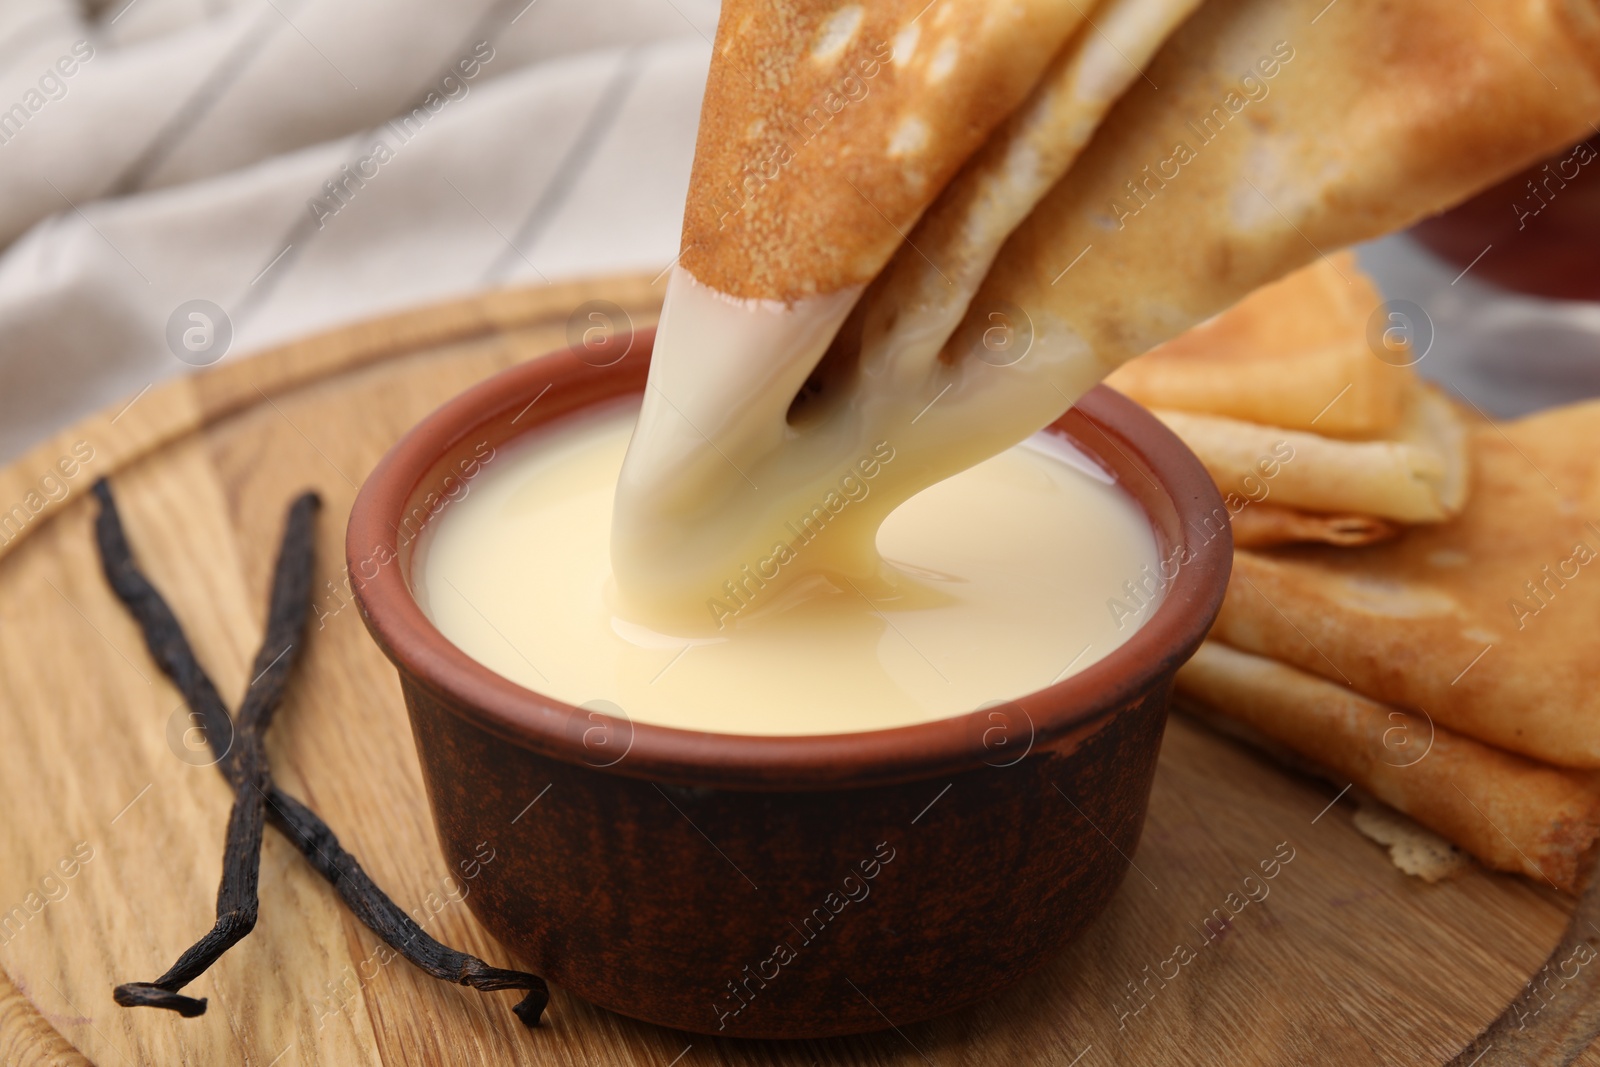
1415, 671
1443, 672
885, 188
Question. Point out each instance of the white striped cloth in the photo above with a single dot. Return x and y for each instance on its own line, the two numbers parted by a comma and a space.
162, 151
154, 152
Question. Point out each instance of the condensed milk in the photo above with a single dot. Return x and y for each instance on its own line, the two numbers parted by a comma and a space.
989, 585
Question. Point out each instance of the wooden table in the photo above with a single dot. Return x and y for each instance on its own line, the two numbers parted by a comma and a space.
1346, 961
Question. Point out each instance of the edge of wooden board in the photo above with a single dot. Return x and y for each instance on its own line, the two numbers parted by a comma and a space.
131, 429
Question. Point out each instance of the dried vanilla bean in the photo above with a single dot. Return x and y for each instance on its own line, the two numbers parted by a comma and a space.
241, 758
237, 896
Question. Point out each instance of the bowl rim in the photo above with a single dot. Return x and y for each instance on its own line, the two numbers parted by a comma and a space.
426, 659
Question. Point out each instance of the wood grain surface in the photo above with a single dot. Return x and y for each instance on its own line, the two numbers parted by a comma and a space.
1343, 960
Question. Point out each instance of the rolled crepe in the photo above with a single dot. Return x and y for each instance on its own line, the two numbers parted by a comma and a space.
1420, 476
1512, 813
1294, 353
1271, 525
1309, 434
1486, 622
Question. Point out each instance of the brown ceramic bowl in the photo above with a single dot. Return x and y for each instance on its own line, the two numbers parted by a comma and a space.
1536, 232
782, 886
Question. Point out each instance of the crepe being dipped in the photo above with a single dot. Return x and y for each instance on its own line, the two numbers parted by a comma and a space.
1036, 194
722, 470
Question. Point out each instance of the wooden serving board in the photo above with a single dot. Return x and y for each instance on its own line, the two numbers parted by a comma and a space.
1345, 961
